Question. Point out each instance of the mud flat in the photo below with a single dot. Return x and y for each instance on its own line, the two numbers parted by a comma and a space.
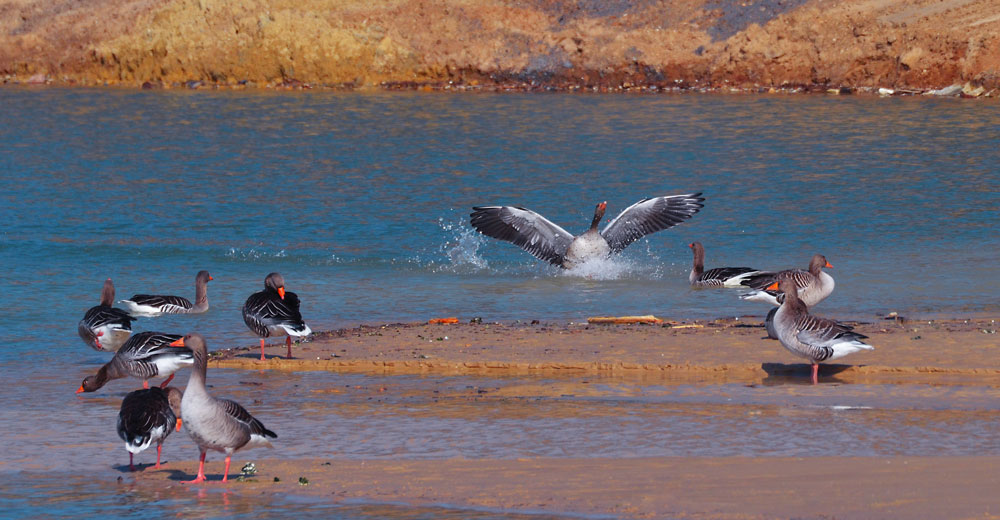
724, 350
669, 487
932, 387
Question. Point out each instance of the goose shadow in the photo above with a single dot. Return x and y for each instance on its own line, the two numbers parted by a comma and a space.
800, 373
140, 467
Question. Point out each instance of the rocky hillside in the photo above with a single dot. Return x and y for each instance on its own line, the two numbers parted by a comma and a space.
604, 44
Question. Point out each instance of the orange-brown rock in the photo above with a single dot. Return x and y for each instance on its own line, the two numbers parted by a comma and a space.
904, 44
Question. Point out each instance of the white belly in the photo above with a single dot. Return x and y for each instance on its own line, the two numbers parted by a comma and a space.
586, 247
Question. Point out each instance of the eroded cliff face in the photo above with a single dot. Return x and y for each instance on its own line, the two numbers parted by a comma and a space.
551, 43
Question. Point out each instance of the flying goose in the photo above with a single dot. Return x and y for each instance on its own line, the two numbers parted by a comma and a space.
150, 305
273, 312
215, 424
547, 241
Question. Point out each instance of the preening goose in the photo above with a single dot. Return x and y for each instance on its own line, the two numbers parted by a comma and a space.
551, 243
103, 327
273, 312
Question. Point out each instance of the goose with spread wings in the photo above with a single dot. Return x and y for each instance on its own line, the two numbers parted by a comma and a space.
551, 243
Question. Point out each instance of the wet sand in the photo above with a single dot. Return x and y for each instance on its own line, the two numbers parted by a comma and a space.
961, 353
667, 487
927, 351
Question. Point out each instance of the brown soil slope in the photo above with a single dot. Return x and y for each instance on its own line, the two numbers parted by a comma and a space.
556, 43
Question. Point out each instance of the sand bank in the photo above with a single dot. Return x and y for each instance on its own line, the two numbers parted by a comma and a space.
940, 351
669, 487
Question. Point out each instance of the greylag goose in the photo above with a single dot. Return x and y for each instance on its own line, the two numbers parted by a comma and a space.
104, 327
814, 284
718, 277
150, 305
551, 243
273, 312
814, 338
148, 416
144, 355
215, 424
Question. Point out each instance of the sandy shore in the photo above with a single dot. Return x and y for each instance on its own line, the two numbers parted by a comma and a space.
942, 352
668, 487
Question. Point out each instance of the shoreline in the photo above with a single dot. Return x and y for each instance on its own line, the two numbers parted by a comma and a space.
705, 350
965, 90
599, 361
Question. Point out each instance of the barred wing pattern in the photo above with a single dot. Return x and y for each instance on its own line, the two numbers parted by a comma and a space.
820, 335
265, 309
237, 412
166, 304
142, 412
649, 216
525, 229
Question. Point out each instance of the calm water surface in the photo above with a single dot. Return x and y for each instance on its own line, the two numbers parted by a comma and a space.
362, 200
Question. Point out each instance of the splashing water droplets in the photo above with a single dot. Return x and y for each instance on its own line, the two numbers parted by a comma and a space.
462, 248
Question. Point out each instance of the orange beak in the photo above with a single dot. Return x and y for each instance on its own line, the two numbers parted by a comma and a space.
281, 292
691, 245
210, 278
179, 421
80, 390
178, 343
772, 287
828, 265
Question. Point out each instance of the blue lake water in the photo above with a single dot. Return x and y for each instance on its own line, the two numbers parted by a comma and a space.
361, 201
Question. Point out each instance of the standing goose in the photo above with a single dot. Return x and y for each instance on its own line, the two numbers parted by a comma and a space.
814, 284
273, 312
104, 327
148, 416
150, 305
144, 355
215, 424
814, 338
547, 241
718, 277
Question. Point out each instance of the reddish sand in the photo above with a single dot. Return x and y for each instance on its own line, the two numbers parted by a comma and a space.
939, 352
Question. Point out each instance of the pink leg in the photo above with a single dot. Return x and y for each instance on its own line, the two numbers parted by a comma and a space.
159, 448
167, 381
288, 341
145, 384
130, 466
815, 373
262, 349
226, 474
201, 471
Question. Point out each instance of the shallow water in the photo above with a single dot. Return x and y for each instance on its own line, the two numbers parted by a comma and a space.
361, 201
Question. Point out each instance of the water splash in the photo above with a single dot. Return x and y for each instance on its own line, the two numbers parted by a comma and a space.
461, 249
251, 254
